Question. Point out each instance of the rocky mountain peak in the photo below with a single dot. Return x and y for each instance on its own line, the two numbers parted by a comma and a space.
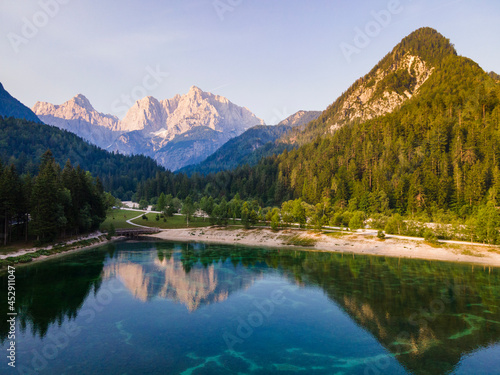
196, 95
300, 118
384, 90
77, 108
395, 79
83, 102
147, 114
195, 90
177, 115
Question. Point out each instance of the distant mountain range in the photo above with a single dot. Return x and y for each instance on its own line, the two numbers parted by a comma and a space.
23, 142
24, 139
175, 132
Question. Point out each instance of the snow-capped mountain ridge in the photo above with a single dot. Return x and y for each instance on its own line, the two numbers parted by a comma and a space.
156, 122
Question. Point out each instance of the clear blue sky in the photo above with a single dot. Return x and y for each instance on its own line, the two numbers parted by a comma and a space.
274, 57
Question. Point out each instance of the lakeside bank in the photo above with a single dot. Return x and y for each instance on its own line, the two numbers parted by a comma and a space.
342, 242
30, 255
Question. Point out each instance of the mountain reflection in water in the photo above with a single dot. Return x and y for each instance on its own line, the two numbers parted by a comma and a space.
167, 275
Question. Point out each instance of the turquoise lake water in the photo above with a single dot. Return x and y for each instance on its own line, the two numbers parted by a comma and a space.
179, 308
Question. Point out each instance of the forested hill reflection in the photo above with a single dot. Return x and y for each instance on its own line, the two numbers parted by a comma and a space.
51, 291
428, 314
180, 274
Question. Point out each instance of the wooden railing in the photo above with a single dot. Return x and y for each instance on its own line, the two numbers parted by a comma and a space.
136, 231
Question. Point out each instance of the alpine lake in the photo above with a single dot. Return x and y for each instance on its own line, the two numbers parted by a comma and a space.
144, 307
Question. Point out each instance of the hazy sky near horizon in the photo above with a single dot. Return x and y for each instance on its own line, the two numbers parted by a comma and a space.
273, 57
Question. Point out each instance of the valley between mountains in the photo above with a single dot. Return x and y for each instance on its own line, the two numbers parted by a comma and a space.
412, 148
295, 188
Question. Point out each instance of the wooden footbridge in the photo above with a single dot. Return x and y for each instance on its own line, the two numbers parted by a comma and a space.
136, 232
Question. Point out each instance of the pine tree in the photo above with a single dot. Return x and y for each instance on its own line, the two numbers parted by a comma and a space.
48, 212
10, 197
188, 209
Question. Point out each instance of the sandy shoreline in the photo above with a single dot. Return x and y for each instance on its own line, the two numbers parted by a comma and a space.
351, 243
102, 241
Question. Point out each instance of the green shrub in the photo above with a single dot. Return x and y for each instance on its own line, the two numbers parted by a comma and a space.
26, 258
336, 220
395, 225
430, 237
275, 221
301, 241
378, 221
111, 232
43, 252
356, 221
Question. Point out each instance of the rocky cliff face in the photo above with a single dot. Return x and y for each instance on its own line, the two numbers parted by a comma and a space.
146, 114
377, 97
300, 118
176, 132
397, 78
78, 116
170, 117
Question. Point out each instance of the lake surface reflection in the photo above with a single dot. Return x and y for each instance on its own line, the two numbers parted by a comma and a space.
178, 308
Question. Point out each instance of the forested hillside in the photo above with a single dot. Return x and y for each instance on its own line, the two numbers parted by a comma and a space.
440, 150
248, 148
437, 154
11, 107
22, 143
495, 76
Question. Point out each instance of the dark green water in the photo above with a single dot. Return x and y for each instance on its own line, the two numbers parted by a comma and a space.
171, 308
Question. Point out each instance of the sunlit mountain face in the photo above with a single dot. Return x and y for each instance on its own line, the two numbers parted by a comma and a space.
196, 308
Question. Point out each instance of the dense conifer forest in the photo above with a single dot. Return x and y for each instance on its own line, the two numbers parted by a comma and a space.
50, 204
22, 144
